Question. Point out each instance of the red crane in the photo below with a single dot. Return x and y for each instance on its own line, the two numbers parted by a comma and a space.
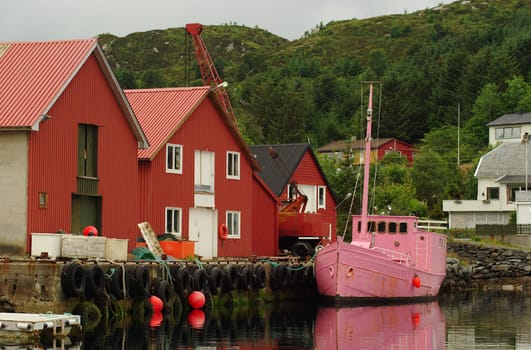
209, 74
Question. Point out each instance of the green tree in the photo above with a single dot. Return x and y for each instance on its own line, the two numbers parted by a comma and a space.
431, 178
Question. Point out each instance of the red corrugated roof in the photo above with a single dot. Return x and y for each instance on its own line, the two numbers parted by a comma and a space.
162, 111
34, 74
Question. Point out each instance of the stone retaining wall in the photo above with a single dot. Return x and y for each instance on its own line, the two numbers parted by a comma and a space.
472, 265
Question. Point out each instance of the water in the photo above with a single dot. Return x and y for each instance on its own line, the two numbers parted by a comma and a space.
491, 320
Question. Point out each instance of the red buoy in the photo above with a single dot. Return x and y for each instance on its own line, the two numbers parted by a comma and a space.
156, 319
416, 281
196, 319
156, 303
196, 300
90, 231
415, 318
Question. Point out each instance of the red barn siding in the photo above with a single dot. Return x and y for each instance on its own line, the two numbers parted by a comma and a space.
265, 220
88, 99
307, 172
203, 130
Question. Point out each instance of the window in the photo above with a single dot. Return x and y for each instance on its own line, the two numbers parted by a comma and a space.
403, 227
204, 175
173, 221
392, 227
43, 199
174, 158
493, 193
321, 197
233, 224
508, 133
233, 165
381, 227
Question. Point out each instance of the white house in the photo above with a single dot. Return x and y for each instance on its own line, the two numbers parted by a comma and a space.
509, 128
502, 173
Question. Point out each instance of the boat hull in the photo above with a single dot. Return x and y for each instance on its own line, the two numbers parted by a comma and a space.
409, 326
347, 273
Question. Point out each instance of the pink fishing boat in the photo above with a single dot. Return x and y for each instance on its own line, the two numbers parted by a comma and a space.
389, 258
411, 326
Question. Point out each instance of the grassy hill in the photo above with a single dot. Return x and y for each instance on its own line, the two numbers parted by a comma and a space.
309, 89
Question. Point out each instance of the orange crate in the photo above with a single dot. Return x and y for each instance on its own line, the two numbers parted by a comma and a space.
178, 249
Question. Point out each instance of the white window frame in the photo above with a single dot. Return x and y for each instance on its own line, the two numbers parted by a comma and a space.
321, 197
172, 148
233, 165
233, 220
177, 213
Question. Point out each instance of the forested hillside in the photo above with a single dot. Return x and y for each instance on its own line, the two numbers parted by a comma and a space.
470, 59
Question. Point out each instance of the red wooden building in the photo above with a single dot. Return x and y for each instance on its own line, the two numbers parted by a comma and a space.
379, 148
291, 170
198, 174
68, 144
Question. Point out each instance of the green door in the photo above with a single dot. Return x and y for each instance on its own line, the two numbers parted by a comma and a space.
86, 211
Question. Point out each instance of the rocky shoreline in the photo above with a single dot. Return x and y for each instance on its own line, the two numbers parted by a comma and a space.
478, 266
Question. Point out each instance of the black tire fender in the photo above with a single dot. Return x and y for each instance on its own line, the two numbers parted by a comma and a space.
259, 276
162, 289
215, 279
94, 281
139, 280
230, 278
73, 280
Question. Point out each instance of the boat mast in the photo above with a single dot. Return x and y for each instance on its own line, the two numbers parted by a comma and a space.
366, 167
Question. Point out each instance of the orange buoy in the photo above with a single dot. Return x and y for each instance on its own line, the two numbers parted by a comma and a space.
416, 281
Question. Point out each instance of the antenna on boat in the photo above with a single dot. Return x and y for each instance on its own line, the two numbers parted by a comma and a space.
367, 160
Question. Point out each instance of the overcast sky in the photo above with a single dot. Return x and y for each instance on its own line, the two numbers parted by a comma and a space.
29, 20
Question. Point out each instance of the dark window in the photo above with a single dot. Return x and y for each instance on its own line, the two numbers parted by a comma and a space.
403, 227
493, 193
381, 227
392, 227
87, 151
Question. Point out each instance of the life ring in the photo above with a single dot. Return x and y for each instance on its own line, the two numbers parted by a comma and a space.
223, 231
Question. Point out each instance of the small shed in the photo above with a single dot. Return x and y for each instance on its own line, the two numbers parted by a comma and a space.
290, 170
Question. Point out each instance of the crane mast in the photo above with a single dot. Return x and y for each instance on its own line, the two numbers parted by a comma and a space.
209, 74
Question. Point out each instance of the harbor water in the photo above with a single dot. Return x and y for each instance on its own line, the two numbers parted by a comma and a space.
487, 320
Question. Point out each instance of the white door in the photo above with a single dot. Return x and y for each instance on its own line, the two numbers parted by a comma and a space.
202, 230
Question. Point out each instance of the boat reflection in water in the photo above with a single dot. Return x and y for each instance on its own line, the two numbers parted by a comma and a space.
411, 326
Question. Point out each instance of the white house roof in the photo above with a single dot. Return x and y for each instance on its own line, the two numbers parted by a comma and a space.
506, 161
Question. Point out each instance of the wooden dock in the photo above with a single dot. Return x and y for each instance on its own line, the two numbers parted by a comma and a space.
21, 327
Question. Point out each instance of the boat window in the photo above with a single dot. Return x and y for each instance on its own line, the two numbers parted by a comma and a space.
392, 227
359, 227
370, 226
403, 227
381, 227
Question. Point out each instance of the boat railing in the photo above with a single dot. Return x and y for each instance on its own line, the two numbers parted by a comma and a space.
394, 255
